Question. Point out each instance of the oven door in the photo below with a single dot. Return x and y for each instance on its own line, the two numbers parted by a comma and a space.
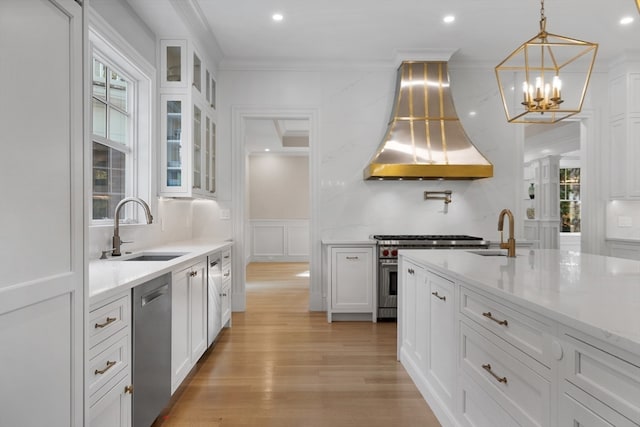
388, 289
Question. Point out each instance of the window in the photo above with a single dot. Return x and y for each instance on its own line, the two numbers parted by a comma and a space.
121, 126
111, 139
570, 199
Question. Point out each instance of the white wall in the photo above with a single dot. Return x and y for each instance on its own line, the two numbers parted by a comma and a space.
278, 187
623, 219
354, 106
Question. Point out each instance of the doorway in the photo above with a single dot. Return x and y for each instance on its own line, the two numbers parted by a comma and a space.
553, 165
274, 172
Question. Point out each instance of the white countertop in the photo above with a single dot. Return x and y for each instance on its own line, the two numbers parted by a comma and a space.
114, 275
595, 294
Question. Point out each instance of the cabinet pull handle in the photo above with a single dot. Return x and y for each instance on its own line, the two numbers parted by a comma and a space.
435, 294
226, 256
352, 257
213, 263
128, 389
102, 371
499, 322
487, 368
193, 274
410, 271
226, 274
109, 321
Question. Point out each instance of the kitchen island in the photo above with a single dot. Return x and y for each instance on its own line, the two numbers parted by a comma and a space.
543, 339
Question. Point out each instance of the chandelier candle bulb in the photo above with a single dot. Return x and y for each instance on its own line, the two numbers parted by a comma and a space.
557, 86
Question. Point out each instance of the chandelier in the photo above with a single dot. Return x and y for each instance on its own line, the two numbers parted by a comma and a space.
545, 79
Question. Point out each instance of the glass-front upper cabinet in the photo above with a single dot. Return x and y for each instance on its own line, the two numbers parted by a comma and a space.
173, 60
173, 137
187, 96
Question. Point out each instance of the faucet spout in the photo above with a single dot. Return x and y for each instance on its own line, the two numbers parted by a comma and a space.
116, 221
510, 246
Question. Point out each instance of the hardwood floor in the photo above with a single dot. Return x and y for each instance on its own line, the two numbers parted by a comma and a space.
281, 365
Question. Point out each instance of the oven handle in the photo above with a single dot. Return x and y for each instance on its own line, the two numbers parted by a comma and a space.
383, 262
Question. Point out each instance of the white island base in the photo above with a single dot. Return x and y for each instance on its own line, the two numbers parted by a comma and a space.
549, 338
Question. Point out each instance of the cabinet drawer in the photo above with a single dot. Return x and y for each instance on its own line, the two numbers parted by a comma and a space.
107, 359
478, 409
522, 331
608, 378
522, 392
108, 319
577, 408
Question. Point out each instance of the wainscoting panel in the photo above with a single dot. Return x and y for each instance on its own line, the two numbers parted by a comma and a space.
279, 240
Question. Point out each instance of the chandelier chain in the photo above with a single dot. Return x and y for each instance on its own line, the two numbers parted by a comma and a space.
543, 18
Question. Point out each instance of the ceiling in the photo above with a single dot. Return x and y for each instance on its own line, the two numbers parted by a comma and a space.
365, 30
277, 136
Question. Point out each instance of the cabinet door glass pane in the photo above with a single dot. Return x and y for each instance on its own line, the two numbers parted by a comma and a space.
208, 80
212, 151
213, 94
174, 138
197, 72
197, 147
174, 67
207, 154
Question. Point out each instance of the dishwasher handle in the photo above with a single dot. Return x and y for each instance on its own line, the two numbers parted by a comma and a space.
153, 295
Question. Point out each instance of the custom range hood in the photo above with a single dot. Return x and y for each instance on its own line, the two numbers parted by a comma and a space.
425, 139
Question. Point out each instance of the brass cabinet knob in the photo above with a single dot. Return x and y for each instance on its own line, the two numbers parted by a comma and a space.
128, 389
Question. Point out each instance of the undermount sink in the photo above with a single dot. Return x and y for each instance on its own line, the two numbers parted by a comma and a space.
153, 257
488, 253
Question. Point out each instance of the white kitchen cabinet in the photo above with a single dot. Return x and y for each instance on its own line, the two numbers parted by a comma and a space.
352, 281
428, 330
601, 377
42, 351
214, 294
440, 318
412, 275
513, 365
624, 131
623, 249
109, 362
188, 320
113, 409
188, 120
225, 294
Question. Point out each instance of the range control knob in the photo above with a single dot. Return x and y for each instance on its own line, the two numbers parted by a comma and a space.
394, 252
385, 252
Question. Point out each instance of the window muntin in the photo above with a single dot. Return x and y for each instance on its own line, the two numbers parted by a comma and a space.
112, 147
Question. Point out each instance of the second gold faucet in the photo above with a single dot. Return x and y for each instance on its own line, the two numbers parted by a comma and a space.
510, 246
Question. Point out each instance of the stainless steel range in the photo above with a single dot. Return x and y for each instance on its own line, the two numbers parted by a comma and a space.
388, 246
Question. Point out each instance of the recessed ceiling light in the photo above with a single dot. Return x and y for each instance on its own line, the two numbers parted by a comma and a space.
277, 17
266, 149
472, 113
626, 20
449, 19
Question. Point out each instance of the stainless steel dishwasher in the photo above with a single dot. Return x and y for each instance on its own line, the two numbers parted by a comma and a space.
151, 349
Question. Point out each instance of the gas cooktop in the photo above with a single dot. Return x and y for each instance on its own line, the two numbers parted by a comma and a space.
424, 237
430, 241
